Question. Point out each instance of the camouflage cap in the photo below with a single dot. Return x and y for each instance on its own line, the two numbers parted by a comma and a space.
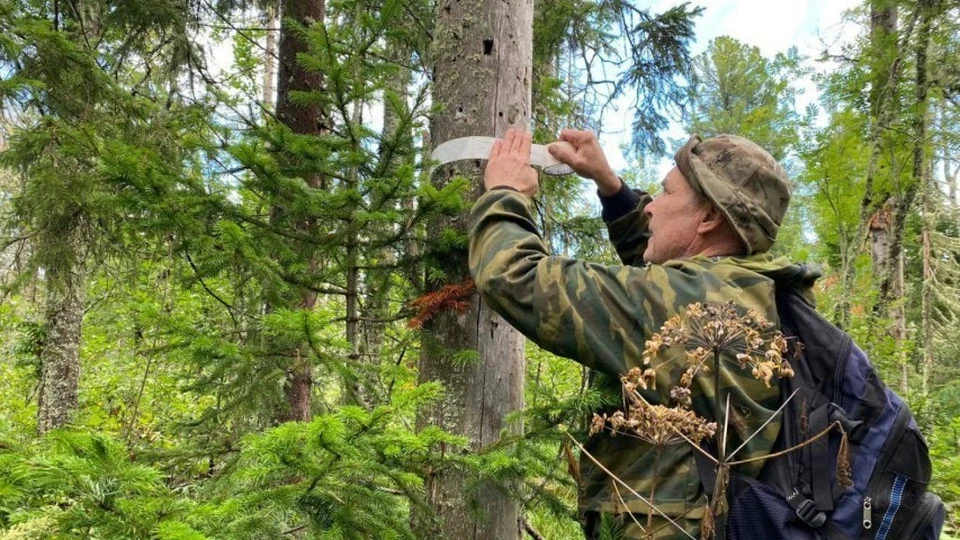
743, 181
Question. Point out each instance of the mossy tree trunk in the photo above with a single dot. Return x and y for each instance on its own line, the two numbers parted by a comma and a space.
62, 250
60, 355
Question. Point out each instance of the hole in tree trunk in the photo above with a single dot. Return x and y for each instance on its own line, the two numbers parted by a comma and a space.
488, 46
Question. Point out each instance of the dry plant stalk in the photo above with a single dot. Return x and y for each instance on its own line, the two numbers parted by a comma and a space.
704, 332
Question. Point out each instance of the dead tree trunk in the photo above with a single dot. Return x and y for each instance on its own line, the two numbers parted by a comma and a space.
482, 77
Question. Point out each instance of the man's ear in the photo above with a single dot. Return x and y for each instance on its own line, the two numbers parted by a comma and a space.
711, 221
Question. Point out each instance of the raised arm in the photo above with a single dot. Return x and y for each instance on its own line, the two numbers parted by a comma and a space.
622, 206
597, 315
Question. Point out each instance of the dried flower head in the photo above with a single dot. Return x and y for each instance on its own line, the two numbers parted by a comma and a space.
681, 395
637, 378
706, 331
655, 424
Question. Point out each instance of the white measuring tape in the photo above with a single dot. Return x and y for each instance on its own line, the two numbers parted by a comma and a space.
479, 148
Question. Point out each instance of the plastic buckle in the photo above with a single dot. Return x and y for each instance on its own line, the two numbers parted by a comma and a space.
807, 511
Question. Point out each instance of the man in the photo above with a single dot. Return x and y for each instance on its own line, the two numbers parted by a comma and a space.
704, 238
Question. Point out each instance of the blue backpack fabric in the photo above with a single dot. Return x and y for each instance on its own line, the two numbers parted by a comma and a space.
797, 495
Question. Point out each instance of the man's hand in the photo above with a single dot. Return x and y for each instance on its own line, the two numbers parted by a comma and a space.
588, 159
509, 164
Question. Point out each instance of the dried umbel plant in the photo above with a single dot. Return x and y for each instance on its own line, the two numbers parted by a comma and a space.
655, 424
658, 425
705, 332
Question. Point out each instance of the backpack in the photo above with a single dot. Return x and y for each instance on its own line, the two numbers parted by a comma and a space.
797, 496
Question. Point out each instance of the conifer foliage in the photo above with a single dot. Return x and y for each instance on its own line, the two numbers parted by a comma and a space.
230, 277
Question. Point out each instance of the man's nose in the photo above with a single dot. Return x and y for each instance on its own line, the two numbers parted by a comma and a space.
647, 209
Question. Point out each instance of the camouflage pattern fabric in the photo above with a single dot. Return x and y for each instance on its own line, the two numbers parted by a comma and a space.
743, 181
614, 527
601, 316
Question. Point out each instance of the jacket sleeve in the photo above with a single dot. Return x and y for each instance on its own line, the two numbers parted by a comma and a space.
626, 222
597, 315
630, 232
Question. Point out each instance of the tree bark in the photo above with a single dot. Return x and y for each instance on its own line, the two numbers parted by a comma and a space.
887, 286
270, 56
881, 233
396, 149
899, 314
66, 246
886, 63
60, 354
927, 300
482, 78
355, 393
303, 119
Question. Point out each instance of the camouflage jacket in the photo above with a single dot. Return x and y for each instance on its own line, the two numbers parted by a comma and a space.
601, 316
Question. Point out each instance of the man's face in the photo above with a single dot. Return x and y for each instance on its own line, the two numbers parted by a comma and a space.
674, 217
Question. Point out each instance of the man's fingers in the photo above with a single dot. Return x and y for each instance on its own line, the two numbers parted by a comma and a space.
525, 145
563, 153
514, 139
576, 137
495, 149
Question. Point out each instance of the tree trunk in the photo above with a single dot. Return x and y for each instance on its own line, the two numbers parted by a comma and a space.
881, 232
303, 119
60, 354
887, 287
309, 118
270, 56
927, 300
899, 315
885, 68
482, 77
396, 148
67, 244
951, 178
880, 224
355, 393
921, 181
947, 159
954, 202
